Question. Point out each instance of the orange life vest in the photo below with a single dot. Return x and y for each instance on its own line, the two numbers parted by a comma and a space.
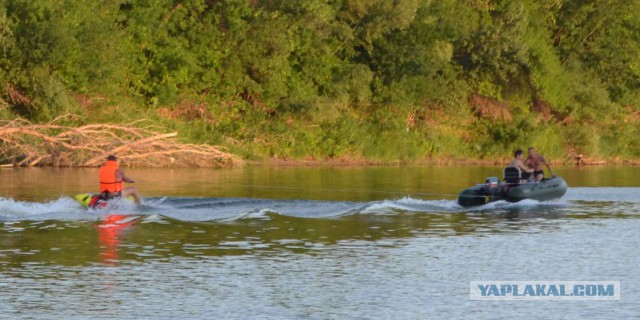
108, 177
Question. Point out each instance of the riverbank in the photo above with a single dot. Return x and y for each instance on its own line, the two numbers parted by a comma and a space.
349, 162
64, 143
234, 161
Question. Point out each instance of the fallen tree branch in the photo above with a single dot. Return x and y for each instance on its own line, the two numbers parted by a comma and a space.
25, 144
128, 146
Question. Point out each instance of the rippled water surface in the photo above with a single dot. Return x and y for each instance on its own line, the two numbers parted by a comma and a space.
309, 243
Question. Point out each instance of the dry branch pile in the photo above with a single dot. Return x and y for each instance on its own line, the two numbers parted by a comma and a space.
23, 143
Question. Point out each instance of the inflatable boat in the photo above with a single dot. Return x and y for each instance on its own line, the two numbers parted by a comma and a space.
512, 189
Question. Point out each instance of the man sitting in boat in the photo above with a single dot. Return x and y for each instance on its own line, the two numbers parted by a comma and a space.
536, 161
111, 178
522, 174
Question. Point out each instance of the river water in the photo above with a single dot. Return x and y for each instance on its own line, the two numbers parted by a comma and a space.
310, 243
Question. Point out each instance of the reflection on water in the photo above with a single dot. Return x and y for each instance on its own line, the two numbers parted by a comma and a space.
109, 232
295, 243
348, 184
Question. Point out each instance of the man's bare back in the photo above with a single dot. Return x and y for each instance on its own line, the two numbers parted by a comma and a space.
537, 162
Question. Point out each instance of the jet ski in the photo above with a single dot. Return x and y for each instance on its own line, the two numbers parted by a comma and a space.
96, 201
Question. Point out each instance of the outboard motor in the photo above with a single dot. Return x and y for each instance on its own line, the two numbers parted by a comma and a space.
480, 193
492, 184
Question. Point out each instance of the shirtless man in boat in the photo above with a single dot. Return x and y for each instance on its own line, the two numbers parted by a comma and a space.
536, 161
517, 163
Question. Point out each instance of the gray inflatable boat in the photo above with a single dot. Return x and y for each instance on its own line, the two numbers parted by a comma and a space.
512, 190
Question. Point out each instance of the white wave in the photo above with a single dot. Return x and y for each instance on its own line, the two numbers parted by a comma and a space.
411, 205
120, 206
155, 203
154, 218
255, 214
432, 205
11, 209
523, 204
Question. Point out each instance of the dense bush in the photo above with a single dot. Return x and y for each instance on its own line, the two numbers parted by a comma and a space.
322, 78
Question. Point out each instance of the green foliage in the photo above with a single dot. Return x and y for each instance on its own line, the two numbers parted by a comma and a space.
621, 141
7, 42
335, 78
549, 140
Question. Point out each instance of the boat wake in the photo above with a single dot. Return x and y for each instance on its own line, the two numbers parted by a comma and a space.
228, 210
219, 209
63, 208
